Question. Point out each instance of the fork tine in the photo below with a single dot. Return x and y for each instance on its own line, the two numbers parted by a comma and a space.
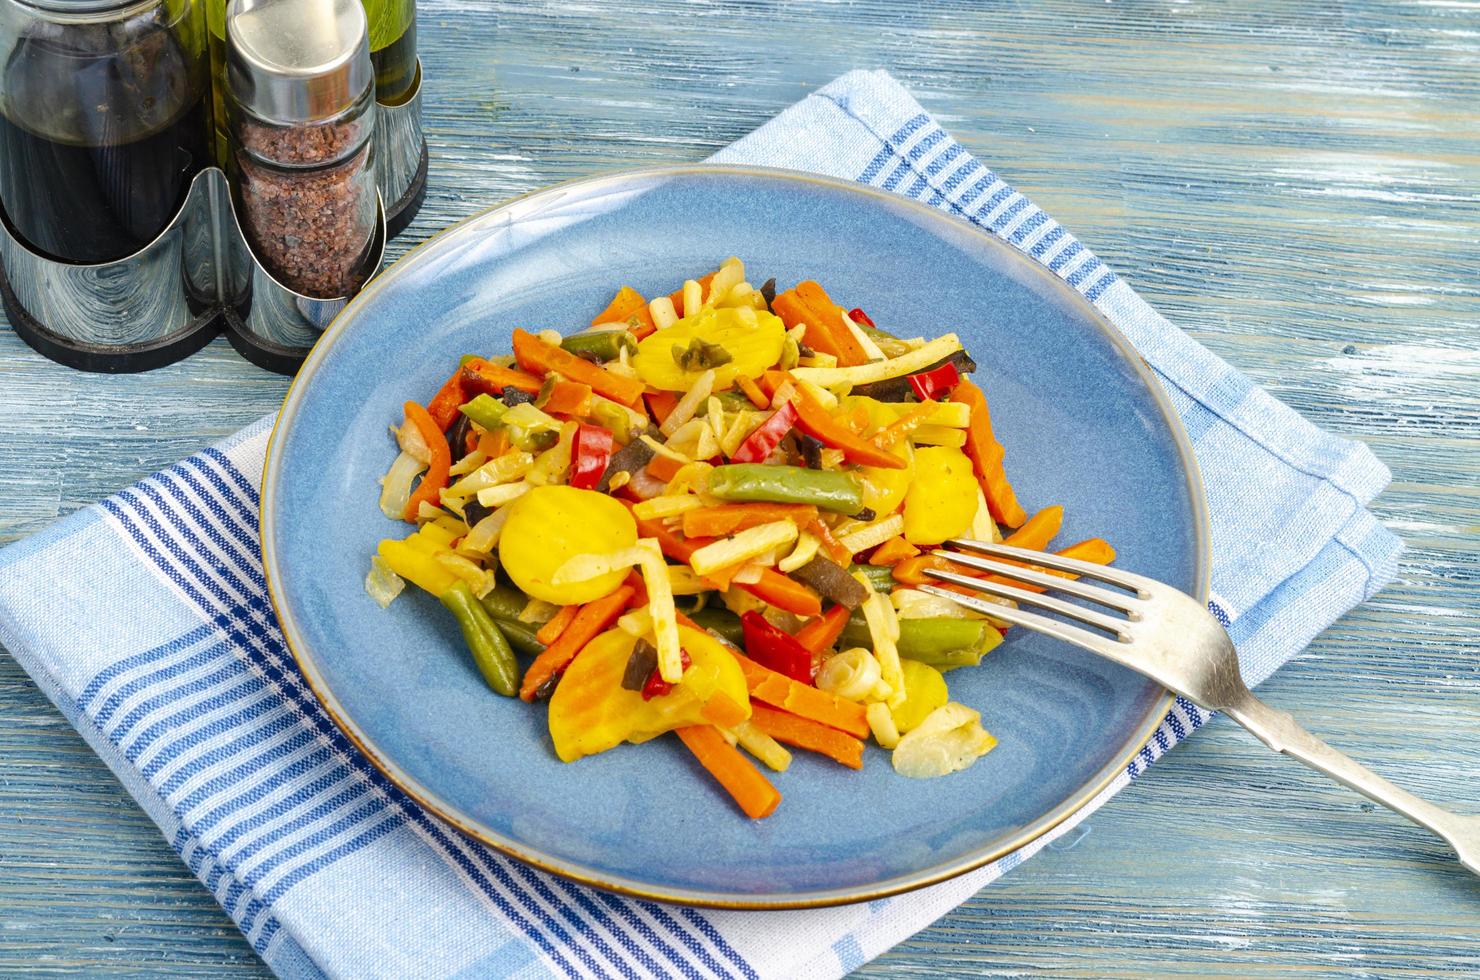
1115, 576
1033, 621
1115, 600
1110, 624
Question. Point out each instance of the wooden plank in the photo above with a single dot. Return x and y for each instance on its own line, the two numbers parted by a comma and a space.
1294, 183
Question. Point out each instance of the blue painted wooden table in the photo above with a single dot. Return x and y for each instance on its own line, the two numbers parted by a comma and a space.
1297, 184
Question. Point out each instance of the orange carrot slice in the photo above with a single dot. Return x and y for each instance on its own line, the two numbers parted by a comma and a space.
551, 631
443, 406
569, 398
986, 455
753, 392
820, 633
1039, 529
722, 710
740, 778
715, 522
807, 734
779, 590
538, 357
479, 376
592, 619
895, 550
780, 691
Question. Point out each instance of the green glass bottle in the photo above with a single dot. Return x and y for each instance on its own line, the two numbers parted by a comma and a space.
392, 52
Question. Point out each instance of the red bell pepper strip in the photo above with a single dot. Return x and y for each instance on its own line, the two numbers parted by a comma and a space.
443, 407
656, 686
858, 316
814, 419
593, 451
936, 383
764, 440
770, 647
435, 478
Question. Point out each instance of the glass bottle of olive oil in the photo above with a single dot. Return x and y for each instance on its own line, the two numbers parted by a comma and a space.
392, 52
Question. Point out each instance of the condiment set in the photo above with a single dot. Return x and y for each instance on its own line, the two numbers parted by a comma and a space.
170, 169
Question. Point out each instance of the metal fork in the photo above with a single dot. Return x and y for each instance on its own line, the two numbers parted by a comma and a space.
1167, 635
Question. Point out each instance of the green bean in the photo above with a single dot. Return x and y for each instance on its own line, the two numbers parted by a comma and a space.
604, 345
520, 636
940, 642
721, 621
881, 577
488, 645
485, 410
505, 602
759, 482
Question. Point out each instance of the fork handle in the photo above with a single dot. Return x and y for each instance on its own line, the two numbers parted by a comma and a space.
1281, 732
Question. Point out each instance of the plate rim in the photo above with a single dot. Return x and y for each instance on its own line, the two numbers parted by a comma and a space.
577, 871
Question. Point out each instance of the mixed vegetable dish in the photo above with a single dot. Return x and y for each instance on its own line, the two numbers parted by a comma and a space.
709, 514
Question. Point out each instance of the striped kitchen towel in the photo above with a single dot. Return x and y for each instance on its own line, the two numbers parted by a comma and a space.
145, 618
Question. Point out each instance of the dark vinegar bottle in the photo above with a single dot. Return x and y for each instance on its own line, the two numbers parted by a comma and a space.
103, 121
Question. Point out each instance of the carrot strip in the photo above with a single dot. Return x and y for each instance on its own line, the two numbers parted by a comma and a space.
740, 778
620, 308
777, 589
770, 380
715, 522
538, 357
786, 593
753, 392
664, 468
435, 478
820, 633
780, 691
569, 398
814, 419
807, 734
986, 455
638, 585
827, 317
911, 571
628, 307
1039, 529
661, 404
824, 327
593, 618
677, 297
551, 631
443, 406
722, 710
482, 378
829, 543
494, 444
1094, 549
1097, 550
896, 549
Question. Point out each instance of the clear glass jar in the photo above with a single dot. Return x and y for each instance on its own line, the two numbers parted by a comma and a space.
392, 28
301, 164
104, 122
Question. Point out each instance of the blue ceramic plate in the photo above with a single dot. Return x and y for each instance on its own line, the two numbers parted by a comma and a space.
1083, 421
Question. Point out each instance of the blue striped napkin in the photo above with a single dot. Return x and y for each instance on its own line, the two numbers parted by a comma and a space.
329, 870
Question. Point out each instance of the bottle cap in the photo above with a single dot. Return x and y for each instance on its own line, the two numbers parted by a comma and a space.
297, 61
